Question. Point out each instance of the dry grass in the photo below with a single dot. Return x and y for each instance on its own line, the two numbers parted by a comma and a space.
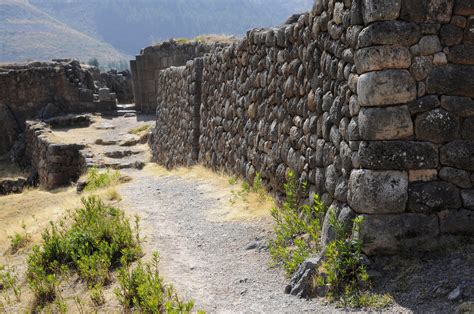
250, 206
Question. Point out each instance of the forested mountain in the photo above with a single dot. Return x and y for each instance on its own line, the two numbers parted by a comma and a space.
129, 25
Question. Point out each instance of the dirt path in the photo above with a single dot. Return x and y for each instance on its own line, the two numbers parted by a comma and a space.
204, 254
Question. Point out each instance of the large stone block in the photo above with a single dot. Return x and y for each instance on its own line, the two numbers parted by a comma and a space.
459, 177
378, 192
464, 7
437, 126
428, 45
390, 234
381, 10
458, 222
388, 123
433, 196
458, 154
386, 88
431, 11
390, 33
468, 198
452, 79
468, 129
382, 57
398, 155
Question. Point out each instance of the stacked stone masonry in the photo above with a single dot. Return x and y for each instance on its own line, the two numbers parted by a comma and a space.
370, 101
176, 141
56, 164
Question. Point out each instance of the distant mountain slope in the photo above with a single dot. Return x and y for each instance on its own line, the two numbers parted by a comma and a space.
130, 25
28, 33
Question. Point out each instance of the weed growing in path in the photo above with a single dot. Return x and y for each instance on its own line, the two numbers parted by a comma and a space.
9, 280
297, 228
19, 240
143, 289
140, 129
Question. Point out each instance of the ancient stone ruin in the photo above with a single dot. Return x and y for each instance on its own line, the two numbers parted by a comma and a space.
370, 101
32, 97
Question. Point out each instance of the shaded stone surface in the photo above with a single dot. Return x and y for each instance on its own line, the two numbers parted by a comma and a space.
437, 126
468, 198
460, 106
452, 79
398, 155
378, 192
461, 54
458, 154
433, 196
389, 234
424, 104
458, 177
464, 7
459, 221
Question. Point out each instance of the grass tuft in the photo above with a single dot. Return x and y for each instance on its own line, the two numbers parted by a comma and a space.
101, 179
140, 129
19, 240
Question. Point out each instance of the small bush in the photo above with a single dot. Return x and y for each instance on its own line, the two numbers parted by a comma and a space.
97, 179
142, 288
98, 239
140, 129
97, 295
257, 187
9, 280
113, 195
19, 240
233, 180
297, 228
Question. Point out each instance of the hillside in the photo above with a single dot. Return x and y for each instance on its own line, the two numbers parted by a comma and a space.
28, 33
130, 25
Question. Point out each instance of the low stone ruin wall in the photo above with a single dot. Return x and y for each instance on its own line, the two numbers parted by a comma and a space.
369, 101
56, 164
176, 141
44, 90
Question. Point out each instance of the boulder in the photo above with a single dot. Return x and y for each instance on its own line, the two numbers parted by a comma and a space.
382, 57
386, 88
387, 33
378, 192
389, 123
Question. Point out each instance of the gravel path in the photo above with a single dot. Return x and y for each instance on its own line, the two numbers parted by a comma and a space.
207, 259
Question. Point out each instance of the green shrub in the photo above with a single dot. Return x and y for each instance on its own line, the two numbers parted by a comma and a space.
98, 239
140, 129
97, 295
142, 288
100, 179
297, 228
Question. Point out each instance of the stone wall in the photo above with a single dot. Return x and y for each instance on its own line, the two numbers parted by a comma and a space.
176, 140
56, 164
370, 101
44, 90
147, 65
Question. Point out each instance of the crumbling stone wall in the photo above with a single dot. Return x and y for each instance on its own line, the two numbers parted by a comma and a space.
176, 141
370, 101
56, 164
120, 83
147, 65
44, 90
